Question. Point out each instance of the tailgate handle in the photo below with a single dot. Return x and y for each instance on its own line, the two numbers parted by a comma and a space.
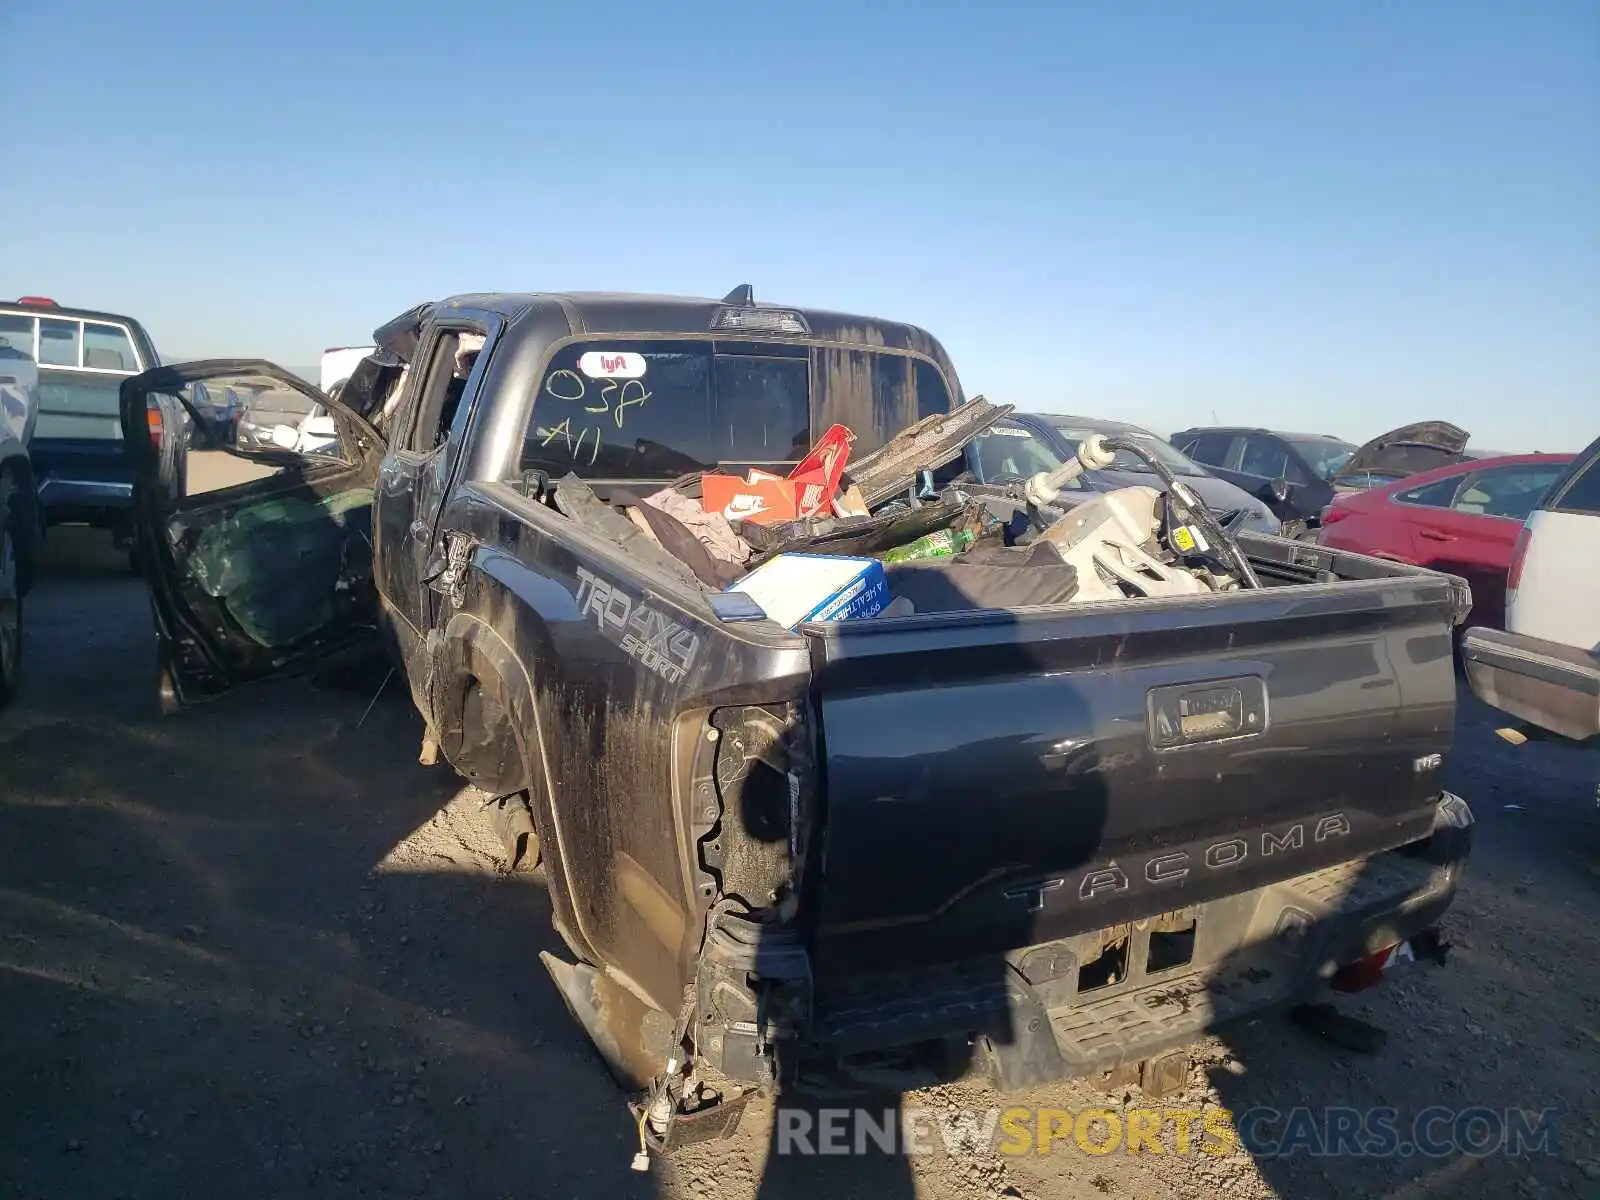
1181, 715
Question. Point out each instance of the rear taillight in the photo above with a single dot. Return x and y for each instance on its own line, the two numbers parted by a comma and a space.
1519, 552
1365, 972
1333, 513
152, 417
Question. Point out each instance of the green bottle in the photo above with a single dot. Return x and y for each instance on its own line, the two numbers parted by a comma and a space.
938, 544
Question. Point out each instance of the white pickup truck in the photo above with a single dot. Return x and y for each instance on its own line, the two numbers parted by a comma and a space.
338, 364
1545, 666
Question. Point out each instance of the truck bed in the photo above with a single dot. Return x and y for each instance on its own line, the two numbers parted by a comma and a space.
998, 779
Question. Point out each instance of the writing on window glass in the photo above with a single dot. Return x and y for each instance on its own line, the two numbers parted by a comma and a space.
601, 391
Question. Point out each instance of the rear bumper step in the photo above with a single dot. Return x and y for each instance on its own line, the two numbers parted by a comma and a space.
1554, 686
1062, 1010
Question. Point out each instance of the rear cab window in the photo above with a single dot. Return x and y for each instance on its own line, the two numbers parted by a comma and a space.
72, 343
657, 409
82, 361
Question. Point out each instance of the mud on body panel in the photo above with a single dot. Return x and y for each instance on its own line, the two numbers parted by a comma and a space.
657, 801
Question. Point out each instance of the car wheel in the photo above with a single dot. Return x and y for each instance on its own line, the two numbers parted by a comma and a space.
10, 593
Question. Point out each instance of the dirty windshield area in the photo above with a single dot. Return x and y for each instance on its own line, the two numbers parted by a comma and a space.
704, 464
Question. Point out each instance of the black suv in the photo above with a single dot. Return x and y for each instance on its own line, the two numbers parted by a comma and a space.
1291, 472
1298, 474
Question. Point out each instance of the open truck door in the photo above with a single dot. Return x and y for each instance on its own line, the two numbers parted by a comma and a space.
265, 565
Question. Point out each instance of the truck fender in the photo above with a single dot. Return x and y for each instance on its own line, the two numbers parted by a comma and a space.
507, 756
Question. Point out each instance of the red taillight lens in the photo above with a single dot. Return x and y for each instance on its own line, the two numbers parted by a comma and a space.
37, 302
152, 416
1365, 972
1334, 513
1519, 552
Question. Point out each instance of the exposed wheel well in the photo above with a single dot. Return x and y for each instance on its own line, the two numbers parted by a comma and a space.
477, 735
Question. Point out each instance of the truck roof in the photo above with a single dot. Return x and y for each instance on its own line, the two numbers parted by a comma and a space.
625, 312
34, 308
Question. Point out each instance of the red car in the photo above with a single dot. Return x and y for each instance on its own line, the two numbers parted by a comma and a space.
1463, 519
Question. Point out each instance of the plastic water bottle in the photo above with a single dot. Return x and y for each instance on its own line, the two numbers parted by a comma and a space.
941, 543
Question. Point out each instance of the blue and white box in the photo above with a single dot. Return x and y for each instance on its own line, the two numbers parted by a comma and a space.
795, 588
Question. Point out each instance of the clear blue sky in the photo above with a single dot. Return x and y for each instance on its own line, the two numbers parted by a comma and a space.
1336, 216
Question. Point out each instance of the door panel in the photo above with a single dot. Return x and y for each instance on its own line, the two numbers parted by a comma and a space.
266, 564
1261, 459
414, 478
1470, 546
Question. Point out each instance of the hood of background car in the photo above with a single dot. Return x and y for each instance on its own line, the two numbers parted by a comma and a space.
1409, 450
1219, 495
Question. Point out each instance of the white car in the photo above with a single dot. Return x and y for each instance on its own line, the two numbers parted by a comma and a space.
315, 434
338, 364
1545, 666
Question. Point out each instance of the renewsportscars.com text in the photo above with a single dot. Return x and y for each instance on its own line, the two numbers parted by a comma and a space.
1259, 1132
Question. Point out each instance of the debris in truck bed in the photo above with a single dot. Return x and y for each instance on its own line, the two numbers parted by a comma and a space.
926, 446
712, 529
794, 588
762, 497
986, 577
940, 543
1108, 540
892, 525
577, 500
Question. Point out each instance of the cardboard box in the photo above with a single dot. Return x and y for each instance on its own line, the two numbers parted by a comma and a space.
764, 498
795, 588
760, 501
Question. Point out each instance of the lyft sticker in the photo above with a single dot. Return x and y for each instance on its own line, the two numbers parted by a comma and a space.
605, 364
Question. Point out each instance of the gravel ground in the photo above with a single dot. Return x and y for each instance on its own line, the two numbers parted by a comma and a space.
255, 950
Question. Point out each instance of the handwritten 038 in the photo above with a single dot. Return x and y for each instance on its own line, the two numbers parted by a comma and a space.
601, 406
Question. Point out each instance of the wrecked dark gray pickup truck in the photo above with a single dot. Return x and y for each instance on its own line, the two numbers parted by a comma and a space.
1050, 837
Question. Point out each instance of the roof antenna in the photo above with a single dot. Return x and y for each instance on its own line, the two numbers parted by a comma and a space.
743, 296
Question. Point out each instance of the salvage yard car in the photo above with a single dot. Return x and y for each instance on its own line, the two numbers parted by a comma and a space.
1052, 819
1026, 442
79, 467
19, 518
1299, 474
1545, 666
1463, 519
